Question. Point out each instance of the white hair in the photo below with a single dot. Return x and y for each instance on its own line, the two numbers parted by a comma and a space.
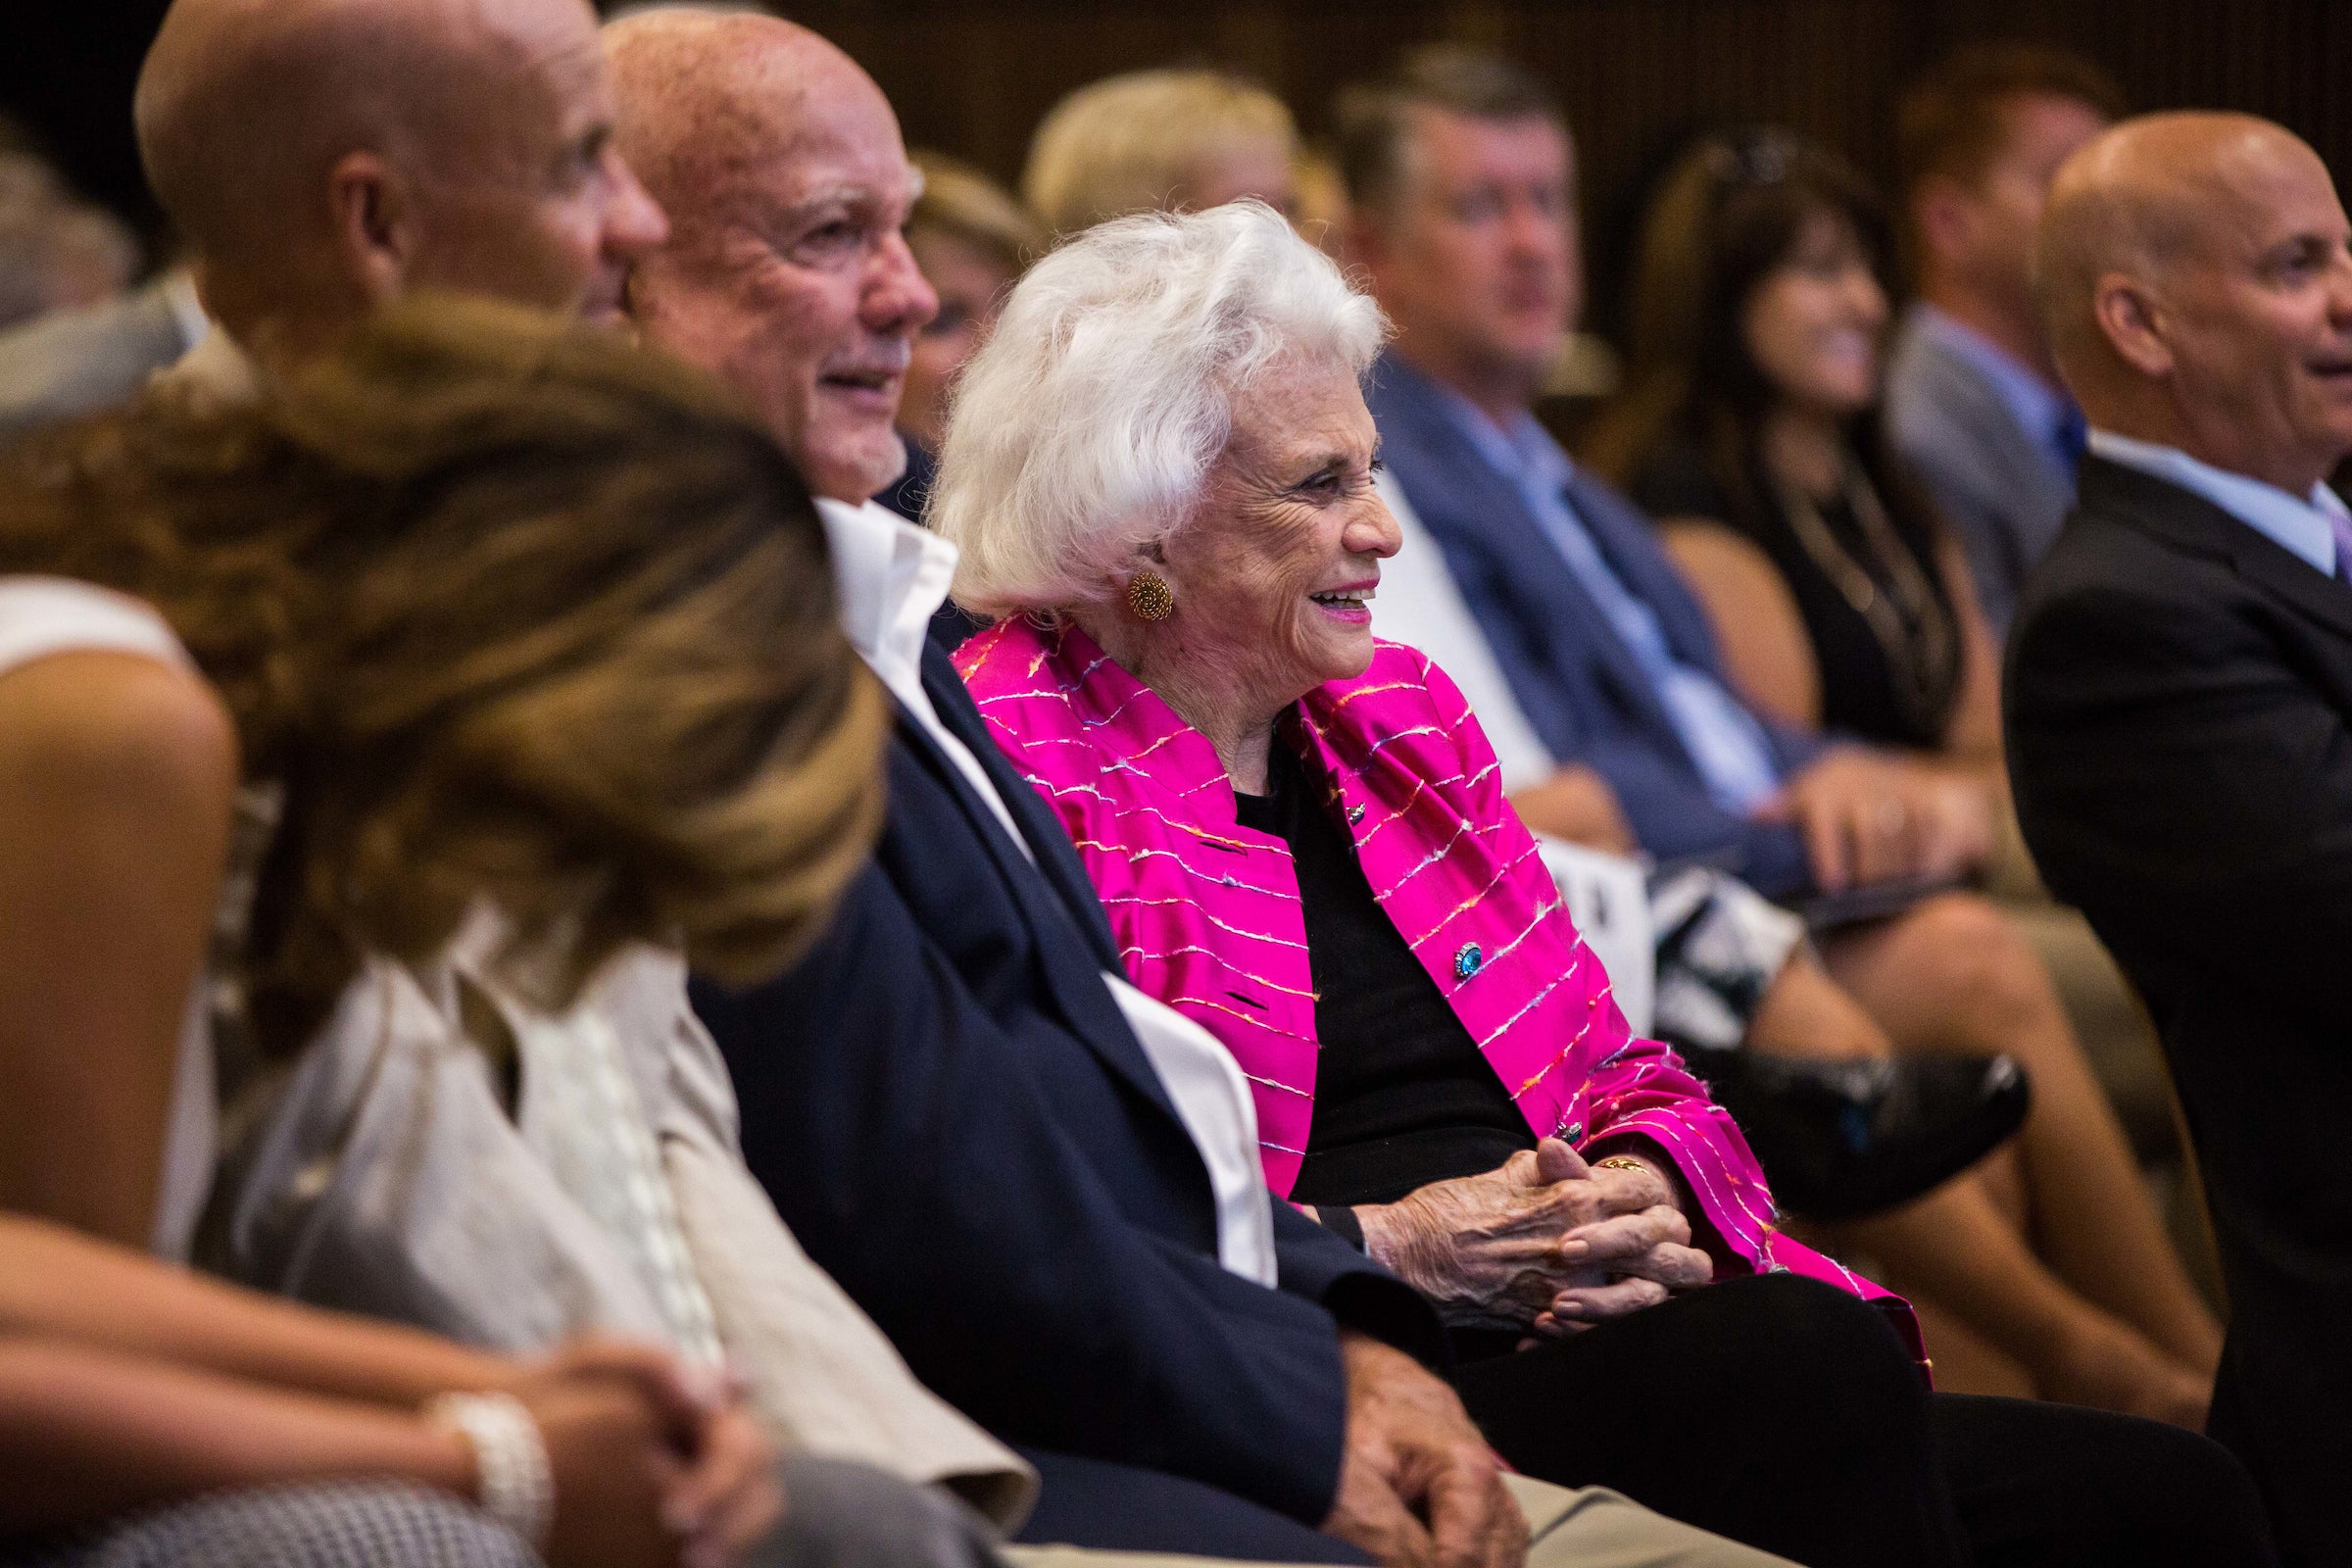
1082, 433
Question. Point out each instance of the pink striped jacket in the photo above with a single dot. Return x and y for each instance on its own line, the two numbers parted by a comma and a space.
1207, 911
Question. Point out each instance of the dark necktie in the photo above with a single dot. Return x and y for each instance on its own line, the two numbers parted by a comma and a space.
2070, 436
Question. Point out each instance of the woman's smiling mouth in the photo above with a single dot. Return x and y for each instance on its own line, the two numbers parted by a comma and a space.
1346, 603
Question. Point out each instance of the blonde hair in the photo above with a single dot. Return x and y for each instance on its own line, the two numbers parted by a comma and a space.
1322, 214
514, 611
1132, 143
1085, 430
961, 202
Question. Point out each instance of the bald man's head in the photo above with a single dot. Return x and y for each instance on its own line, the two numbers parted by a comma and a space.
780, 165
2139, 198
324, 155
2193, 279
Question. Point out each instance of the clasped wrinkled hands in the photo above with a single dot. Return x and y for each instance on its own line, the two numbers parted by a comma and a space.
1543, 1241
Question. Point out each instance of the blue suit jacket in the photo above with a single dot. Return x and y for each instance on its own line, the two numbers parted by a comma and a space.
950, 1112
1582, 688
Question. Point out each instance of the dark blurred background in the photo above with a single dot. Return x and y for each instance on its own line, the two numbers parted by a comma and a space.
973, 79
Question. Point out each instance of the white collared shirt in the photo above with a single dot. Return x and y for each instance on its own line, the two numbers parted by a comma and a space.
891, 577
2299, 525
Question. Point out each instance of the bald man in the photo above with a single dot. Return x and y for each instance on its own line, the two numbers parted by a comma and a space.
1015, 1161
2179, 710
324, 156
786, 273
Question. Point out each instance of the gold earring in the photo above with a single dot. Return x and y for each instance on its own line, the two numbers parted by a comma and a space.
1148, 597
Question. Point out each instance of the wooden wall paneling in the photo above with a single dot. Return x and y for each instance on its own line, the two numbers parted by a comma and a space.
1637, 76
974, 76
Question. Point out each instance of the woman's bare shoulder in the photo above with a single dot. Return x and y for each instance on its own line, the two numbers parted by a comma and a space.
107, 729
1763, 633
1696, 542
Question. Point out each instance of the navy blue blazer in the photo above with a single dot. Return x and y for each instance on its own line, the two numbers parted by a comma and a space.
951, 1113
1582, 688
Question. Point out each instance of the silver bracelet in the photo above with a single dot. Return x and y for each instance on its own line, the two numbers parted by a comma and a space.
517, 1486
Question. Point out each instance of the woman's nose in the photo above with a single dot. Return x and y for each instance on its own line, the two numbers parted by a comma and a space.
1374, 532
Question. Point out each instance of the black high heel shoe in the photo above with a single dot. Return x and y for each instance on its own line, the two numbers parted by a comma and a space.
1839, 1139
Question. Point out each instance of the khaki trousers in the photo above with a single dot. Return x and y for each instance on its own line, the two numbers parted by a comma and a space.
1590, 1526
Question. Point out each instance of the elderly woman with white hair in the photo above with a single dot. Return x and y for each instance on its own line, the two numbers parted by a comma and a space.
1159, 476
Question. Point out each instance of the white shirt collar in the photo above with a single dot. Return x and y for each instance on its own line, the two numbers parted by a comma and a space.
2299, 525
891, 577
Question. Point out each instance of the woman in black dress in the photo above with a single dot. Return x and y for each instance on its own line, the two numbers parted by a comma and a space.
1748, 430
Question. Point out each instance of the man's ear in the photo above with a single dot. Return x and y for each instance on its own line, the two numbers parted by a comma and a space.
2133, 323
374, 220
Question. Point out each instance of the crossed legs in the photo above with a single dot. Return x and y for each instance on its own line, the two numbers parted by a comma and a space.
2052, 1253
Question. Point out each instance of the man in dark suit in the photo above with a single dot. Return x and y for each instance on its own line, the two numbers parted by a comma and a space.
958, 1108
2180, 712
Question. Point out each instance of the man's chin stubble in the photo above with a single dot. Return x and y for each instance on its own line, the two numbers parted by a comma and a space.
869, 474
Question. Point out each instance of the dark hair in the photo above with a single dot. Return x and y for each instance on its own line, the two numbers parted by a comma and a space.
1374, 117
513, 611
1729, 213
1952, 122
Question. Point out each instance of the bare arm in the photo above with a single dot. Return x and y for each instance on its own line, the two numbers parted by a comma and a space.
125, 1381
85, 1434
1578, 805
116, 780
56, 1284
1766, 646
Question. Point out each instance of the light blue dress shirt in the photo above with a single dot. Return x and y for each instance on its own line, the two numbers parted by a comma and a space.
1725, 741
2039, 410
2309, 527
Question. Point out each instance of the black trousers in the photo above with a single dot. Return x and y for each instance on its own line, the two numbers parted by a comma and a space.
1784, 1413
